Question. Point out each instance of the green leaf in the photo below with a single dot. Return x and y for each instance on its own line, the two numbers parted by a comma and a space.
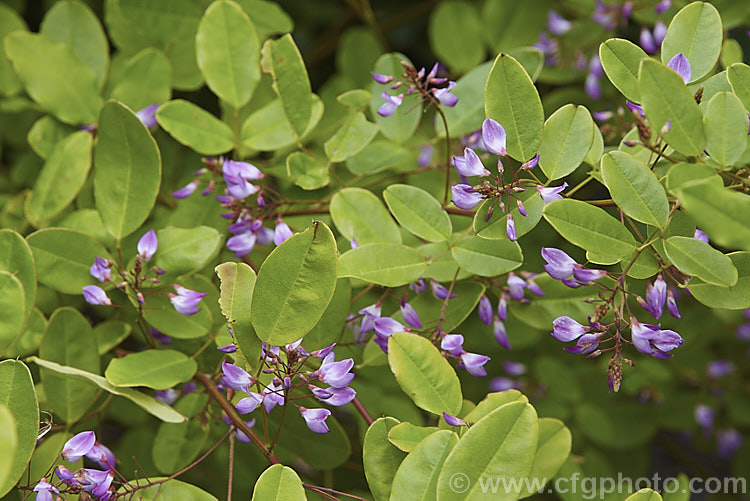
163, 317
683, 173
329, 328
279, 483
358, 50
390, 265
635, 188
502, 445
731, 53
146, 402
282, 60
359, 214
455, 35
645, 494
54, 77
127, 171
63, 258
157, 369
487, 258
419, 212
194, 127
17, 259
590, 228
726, 124
62, 177
739, 78
10, 21
74, 24
401, 125
621, 60
720, 212
228, 52
492, 402
183, 251
666, 98
736, 297
567, 137
417, 476
511, 99
353, 135
406, 436
467, 115
521, 23
695, 31
18, 395
306, 171
295, 284
495, 228
237, 285
268, 129
531, 59
110, 333
424, 375
552, 450
8, 442
695, 257
171, 490
69, 340
440, 263
356, 99
146, 79
380, 458
176, 445
45, 134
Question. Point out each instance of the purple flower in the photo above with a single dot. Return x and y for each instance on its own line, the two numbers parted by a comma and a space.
531, 163
635, 108
650, 339
719, 368
699, 235
381, 79
602, 116
680, 64
704, 416
334, 396
147, 115
465, 197
552, 193
502, 307
93, 294
316, 419
473, 363
78, 446
281, 232
516, 286
510, 228
100, 270
44, 490
453, 344
186, 190
236, 377
249, 404
386, 326
168, 396
470, 165
419, 286
439, 291
586, 344
147, 245
501, 335
556, 24
237, 177
64, 474
647, 41
229, 348
660, 31
410, 315
425, 155
101, 455
592, 87
663, 6
242, 244
559, 264
453, 420
502, 384
371, 313
728, 442
566, 329
335, 374
743, 332
586, 276
485, 310
533, 286
186, 300
494, 138
444, 95
390, 105
514, 368
656, 297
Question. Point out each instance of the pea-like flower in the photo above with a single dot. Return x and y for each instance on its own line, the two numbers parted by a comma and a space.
652, 340
147, 245
93, 294
485, 310
390, 105
474, 363
281, 232
470, 164
101, 269
78, 446
237, 177
410, 315
236, 377
464, 196
44, 490
186, 300
453, 344
147, 115
680, 64
551, 193
316, 419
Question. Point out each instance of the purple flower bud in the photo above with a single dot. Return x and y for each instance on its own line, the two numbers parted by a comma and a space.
229, 348
510, 228
647, 41
78, 446
410, 315
656, 296
501, 335
186, 190
168, 396
641, 335
635, 108
237, 177
680, 64
531, 163
444, 95
100, 270
502, 307
101, 455
419, 286
666, 127
719, 368
485, 310
470, 164
147, 245
586, 344
728, 442
391, 104
556, 24
592, 87
533, 287
502, 384
323, 352
147, 115
249, 404
602, 116
425, 155
236, 377
64, 474
566, 329
704, 416
585, 275
439, 291
44, 490
559, 265
663, 6
453, 344
514, 368
743, 332
281, 233
660, 31
336, 374
465, 197
699, 235
381, 79
371, 313
453, 420
93, 294
473, 363
334, 396
186, 300
516, 285
494, 137
316, 419
386, 326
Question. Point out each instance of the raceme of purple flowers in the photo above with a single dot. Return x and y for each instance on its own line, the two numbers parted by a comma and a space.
426, 85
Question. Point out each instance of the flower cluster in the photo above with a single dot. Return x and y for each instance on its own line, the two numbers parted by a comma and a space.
426, 87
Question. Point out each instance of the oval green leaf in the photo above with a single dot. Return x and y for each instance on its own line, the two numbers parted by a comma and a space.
406, 436
390, 265
695, 257
487, 258
279, 483
736, 297
16, 258
739, 79
157, 369
12, 310
621, 59
183, 251
146, 79
495, 228
726, 124
237, 285
567, 137
455, 34
553, 448
380, 458
359, 214
176, 445
194, 127
695, 31
417, 476
419, 212
353, 135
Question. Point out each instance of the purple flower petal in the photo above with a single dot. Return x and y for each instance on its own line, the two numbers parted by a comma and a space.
281, 232
485, 310
316, 419
464, 196
556, 24
494, 137
473, 363
453, 344
680, 64
501, 335
93, 294
510, 228
147, 245
186, 190
147, 115
453, 420
559, 265
186, 300
78, 446
566, 329
410, 315
386, 326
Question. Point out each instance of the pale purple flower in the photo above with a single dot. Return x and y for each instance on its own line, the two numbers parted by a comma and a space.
533, 286
663, 6
566, 329
656, 297
100, 270
425, 155
147, 115
386, 326
237, 177
529, 165
592, 87
585, 344
602, 116
249, 404
635, 108
660, 31
502, 307
390, 105
186, 190
728, 442
186, 300
236, 377
585, 275
485, 310
453, 344
64, 474
335, 374
168, 396
474, 363
44, 490
500, 333
101, 455
650, 339
502, 384
281, 232
147, 245
494, 137
719, 368
521, 208
510, 228
647, 41
743, 332
273, 395
78, 446
242, 244
704, 416
514, 368
700, 235
439, 291
410, 315
470, 164
381, 79
334, 396
419, 286
559, 264
465, 197
556, 24
444, 95
316, 419
93, 294
371, 313
516, 285
453, 420
680, 64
